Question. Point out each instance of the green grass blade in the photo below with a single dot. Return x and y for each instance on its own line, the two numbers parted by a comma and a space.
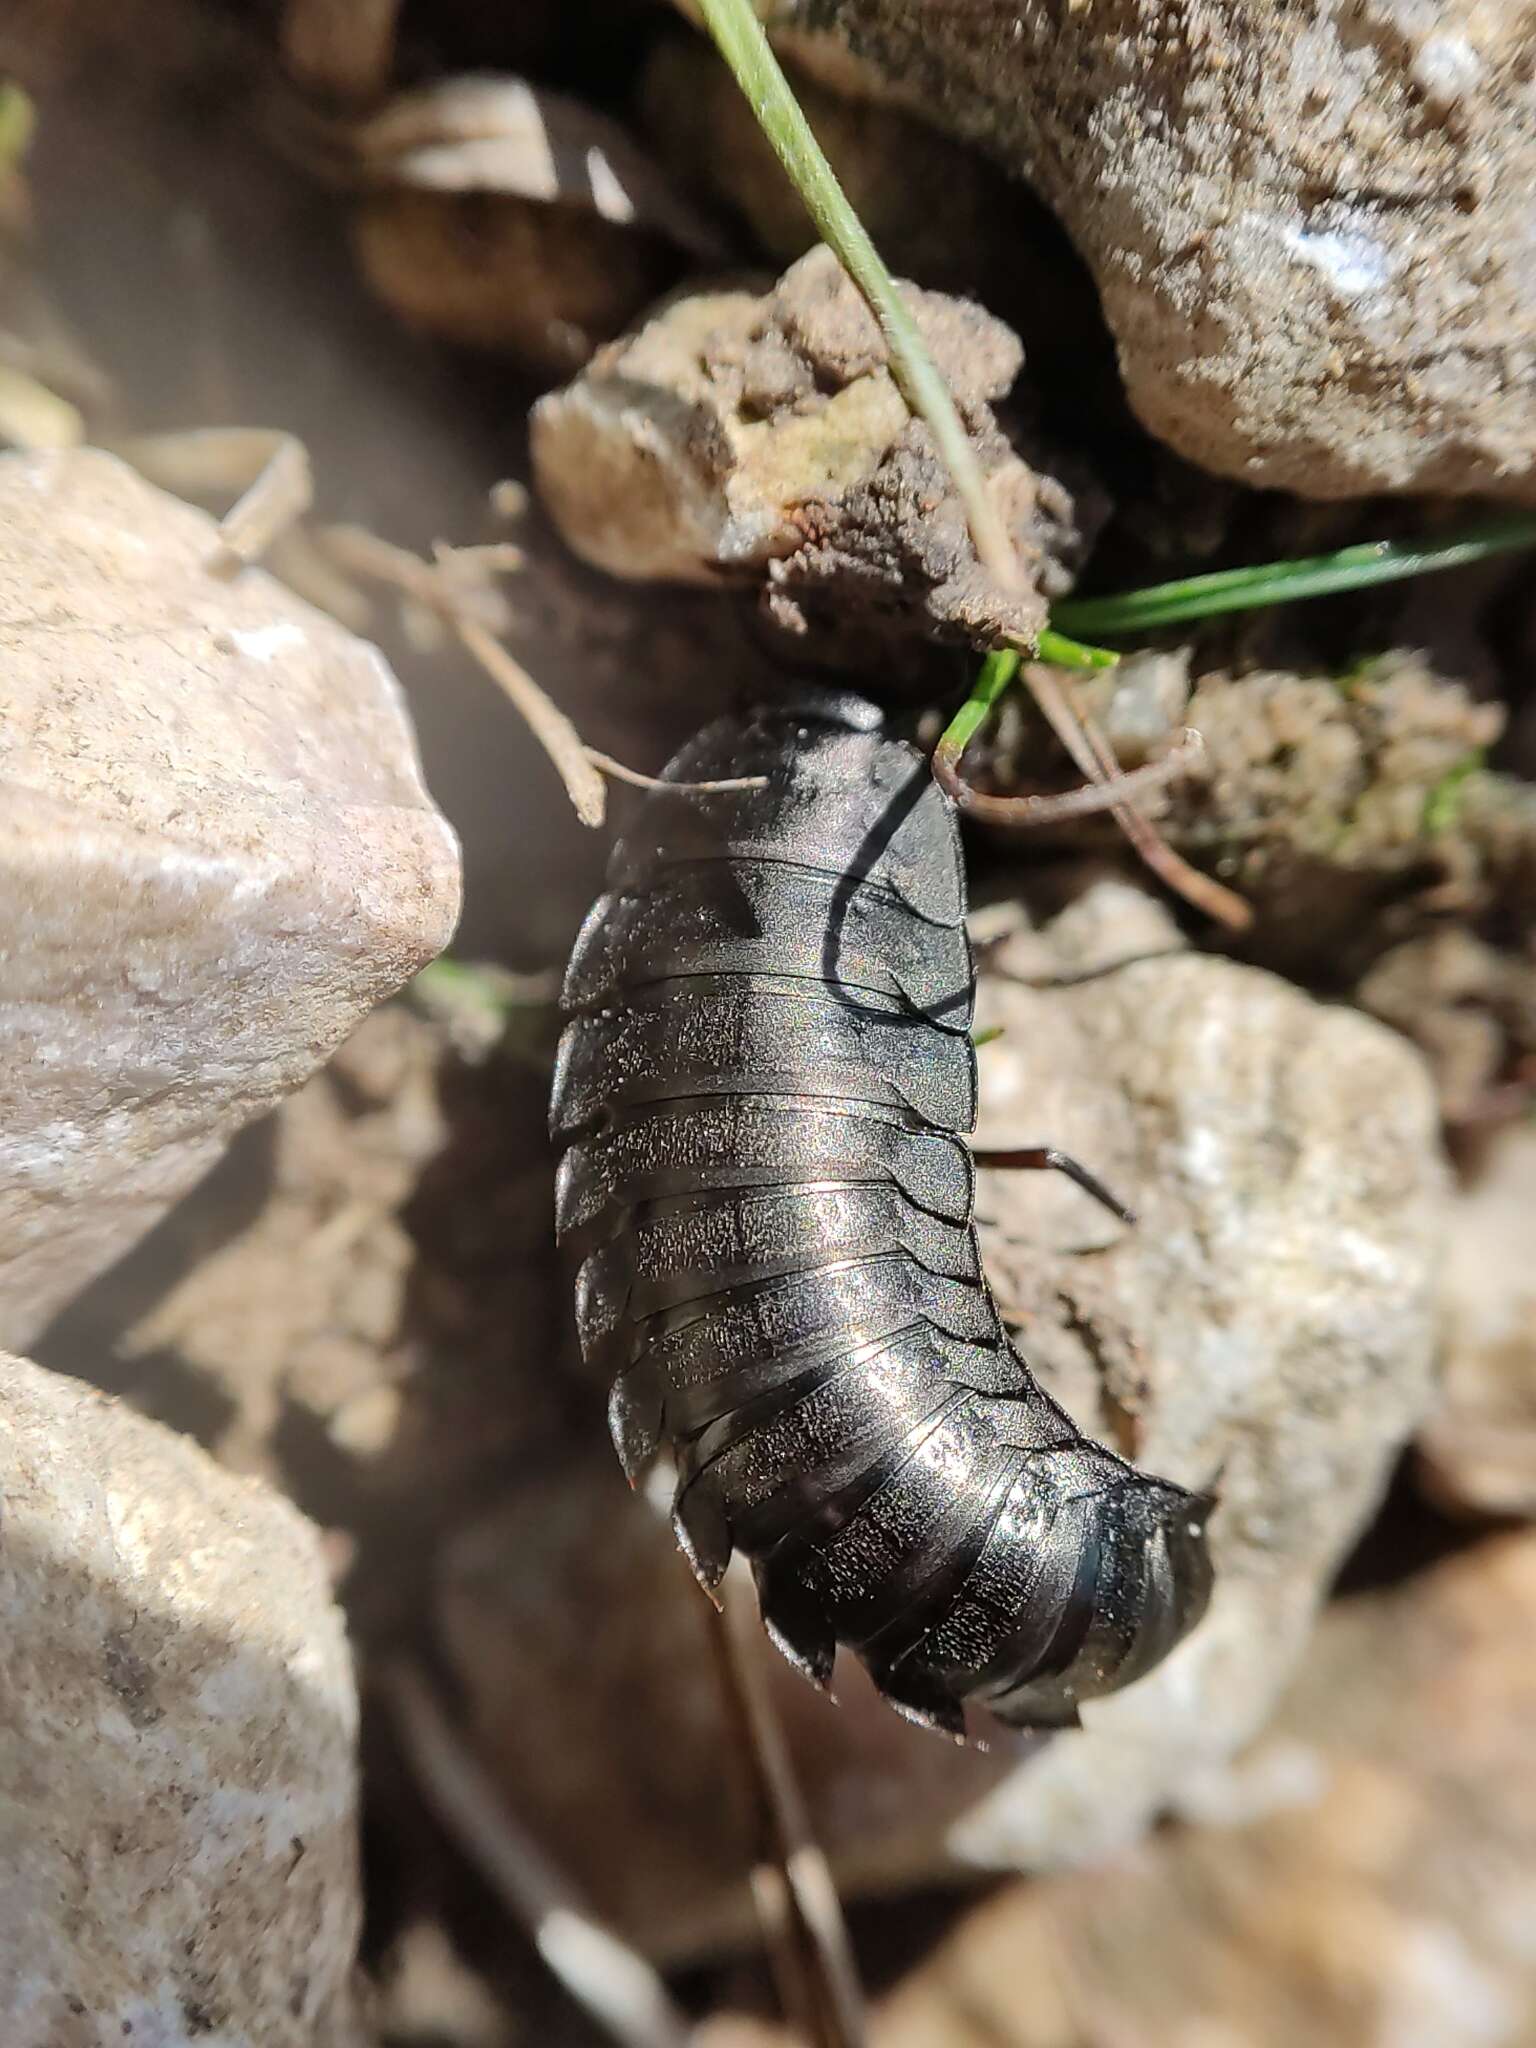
1235, 590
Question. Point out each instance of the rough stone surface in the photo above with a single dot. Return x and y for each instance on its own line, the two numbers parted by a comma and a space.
1307, 225
216, 854
745, 437
1268, 1327
1477, 1453
1367, 1873
177, 1786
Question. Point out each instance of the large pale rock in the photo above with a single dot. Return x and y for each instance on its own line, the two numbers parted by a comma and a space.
1308, 225
177, 1786
216, 854
1266, 1329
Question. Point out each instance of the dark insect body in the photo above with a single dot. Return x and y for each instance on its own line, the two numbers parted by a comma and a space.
763, 1089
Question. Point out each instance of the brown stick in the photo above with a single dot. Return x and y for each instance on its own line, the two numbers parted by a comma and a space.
1088, 747
796, 1897
602, 1973
637, 780
1117, 788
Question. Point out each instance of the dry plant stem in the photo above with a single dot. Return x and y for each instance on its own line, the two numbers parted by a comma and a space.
280, 495
797, 1900
440, 586
267, 466
32, 416
1071, 803
636, 780
431, 583
618, 1988
1217, 902
1091, 751
549, 725
295, 558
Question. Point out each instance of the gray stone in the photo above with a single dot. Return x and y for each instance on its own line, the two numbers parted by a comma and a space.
178, 1857
1307, 225
216, 855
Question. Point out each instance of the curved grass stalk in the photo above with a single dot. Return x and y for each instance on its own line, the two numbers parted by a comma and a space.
1267, 583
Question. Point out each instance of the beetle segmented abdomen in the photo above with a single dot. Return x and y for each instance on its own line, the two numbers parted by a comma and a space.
763, 1092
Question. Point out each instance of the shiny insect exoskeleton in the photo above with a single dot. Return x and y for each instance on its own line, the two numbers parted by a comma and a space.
763, 1090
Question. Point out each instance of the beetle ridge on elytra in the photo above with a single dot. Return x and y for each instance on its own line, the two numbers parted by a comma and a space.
763, 1090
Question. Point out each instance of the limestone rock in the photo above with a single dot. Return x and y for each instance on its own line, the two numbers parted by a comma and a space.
1307, 225
216, 855
178, 1857
753, 438
1268, 1328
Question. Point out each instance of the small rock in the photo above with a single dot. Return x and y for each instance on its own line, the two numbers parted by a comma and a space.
1267, 1328
514, 219
544, 285
216, 855
178, 1852
1334, 804
1477, 1452
493, 133
1306, 225
1351, 812
754, 438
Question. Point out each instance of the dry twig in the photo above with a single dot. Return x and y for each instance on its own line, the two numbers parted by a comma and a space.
602, 1973
792, 1885
454, 586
